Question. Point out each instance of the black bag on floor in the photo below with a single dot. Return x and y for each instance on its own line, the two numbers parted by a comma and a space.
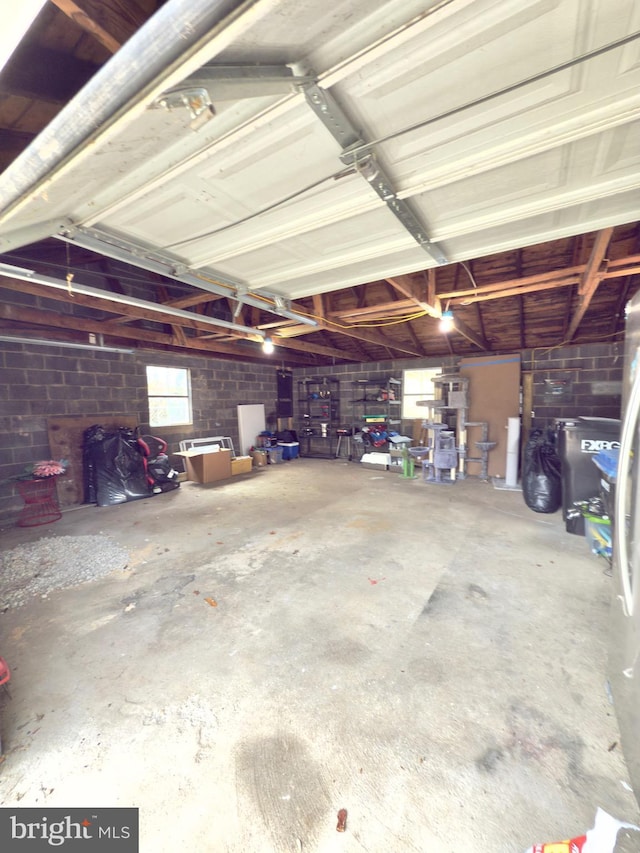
115, 468
541, 476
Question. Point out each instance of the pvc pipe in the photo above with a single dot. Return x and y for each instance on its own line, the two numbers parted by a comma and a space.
513, 451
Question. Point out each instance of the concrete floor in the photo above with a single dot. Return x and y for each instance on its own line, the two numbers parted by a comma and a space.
430, 658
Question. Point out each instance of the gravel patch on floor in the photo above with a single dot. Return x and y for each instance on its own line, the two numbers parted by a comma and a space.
55, 562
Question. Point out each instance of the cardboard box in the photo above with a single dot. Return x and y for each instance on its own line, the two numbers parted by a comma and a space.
259, 458
207, 467
241, 465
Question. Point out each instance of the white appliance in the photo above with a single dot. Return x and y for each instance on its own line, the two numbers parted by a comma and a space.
624, 650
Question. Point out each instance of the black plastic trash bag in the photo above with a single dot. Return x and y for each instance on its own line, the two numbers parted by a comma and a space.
114, 467
541, 476
91, 438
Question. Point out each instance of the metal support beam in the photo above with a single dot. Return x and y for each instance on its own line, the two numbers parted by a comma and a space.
365, 163
168, 267
162, 311
235, 82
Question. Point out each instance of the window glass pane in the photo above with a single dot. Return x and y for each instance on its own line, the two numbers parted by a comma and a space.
169, 396
168, 411
418, 385
167, 381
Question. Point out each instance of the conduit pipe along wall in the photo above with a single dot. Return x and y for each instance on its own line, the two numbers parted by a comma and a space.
168, 47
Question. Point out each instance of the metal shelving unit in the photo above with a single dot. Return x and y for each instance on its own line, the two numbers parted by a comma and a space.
318, 417
378, 401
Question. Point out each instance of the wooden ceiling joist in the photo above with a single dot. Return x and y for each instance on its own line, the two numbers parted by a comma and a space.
307, 346
42, 74
112, 326
592, 276
111, 22
422, 294
542, 281
366, 335
73, 325
478, 339
375, 312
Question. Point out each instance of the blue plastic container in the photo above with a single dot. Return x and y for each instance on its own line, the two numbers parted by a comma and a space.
290, 449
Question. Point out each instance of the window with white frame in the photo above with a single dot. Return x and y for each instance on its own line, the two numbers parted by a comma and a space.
169, 395
418, 385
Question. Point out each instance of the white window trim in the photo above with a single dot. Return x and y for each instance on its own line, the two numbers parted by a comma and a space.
187, 396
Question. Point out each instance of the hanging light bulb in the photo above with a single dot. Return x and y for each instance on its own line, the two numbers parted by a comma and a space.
446, 322
267, 346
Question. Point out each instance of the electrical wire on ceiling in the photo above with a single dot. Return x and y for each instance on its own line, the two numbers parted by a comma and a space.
513, 87
384, 321
269, 304
467, 269
367, 146
387, 321
264, 210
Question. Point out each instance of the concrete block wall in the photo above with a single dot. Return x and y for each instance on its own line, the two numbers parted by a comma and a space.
41, 382
567, 381
573, 381
348, 374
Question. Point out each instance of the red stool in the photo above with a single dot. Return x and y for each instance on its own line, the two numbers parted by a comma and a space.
40, 502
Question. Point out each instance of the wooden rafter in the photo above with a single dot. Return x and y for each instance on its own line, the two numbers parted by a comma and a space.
111, 22
591, 278
369, 336
375, 312
482, 336
307, 346
407, 323
199, 298
520, 301
543, 281
37, 317
42, 74
478, 339
419, 293
113, 326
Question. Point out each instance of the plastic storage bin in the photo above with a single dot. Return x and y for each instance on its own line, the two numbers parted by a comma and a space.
290, 449
274, 455
578, 441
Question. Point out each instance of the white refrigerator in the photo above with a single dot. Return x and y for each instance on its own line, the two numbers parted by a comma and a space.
624, 649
